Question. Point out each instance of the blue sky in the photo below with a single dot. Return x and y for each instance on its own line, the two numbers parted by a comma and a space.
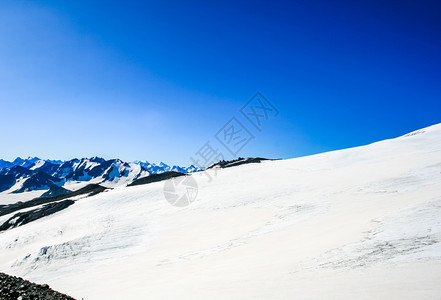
155, 80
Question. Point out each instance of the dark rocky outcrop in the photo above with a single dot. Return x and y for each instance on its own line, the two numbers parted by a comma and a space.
12, 288
90, 190
156, 177
54, 191
23, 218
238, 162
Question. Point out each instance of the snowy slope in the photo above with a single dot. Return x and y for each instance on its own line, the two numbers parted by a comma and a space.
358, 223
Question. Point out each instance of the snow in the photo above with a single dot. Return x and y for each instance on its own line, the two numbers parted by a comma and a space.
7, 197
37, 164
73, 185
17, 185
356, 223
87, 164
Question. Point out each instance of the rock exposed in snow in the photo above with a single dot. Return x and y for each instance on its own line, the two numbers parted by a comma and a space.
16, 288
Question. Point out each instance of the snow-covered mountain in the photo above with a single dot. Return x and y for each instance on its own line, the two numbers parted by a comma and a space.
25, 163
20, 179
33, 173
356, 223
162, 167
5, 164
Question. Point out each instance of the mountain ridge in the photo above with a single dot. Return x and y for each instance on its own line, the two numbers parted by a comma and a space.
33, 173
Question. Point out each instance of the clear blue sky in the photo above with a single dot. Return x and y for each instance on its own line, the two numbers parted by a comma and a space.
155, 80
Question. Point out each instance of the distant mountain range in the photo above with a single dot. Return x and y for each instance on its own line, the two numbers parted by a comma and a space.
32, 173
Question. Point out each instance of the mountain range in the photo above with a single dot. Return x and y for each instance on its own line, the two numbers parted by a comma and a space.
33, 173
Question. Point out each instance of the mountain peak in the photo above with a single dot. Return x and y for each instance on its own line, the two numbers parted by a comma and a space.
25, 162
97, 159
